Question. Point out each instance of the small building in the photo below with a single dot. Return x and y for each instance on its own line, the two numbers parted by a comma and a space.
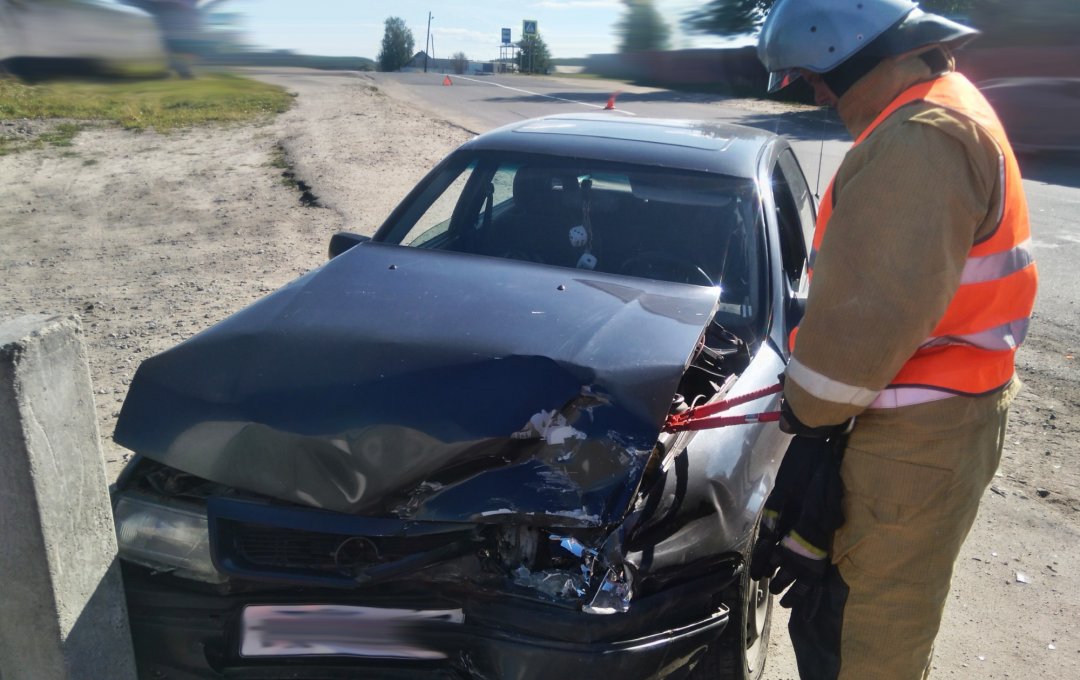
437, 65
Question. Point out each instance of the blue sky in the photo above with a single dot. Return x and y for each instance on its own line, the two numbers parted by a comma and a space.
571, 28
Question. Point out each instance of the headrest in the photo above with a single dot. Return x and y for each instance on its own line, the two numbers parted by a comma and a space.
544, 190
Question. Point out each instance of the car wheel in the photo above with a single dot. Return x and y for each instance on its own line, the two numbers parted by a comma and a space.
739, 652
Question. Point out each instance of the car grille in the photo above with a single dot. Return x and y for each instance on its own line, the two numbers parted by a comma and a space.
281, 543
264, 546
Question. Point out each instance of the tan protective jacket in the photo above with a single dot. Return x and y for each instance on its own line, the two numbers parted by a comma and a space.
897, 242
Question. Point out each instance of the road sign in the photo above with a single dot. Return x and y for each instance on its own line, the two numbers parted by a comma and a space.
528, 27
506, 36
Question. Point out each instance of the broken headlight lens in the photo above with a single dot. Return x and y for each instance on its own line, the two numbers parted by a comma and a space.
166, 537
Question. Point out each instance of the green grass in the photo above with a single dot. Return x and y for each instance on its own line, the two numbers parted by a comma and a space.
61, 135
162, 104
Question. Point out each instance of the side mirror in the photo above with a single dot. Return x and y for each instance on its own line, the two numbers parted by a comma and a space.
343, 240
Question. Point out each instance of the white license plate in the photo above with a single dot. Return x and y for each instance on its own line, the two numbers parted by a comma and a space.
338, 630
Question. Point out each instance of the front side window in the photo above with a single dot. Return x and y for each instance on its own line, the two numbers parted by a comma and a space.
684, 227
795, 216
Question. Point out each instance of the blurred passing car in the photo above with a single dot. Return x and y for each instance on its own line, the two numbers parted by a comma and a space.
46, 37
1039, 114
443, 453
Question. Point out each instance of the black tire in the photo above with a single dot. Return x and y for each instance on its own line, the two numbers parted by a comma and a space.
739, 653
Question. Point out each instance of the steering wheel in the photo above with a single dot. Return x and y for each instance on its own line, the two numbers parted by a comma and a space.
654, 264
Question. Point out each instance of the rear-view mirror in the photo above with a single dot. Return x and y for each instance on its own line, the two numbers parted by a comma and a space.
343, 240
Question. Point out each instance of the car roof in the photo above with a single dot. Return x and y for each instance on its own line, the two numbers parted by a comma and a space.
698, 145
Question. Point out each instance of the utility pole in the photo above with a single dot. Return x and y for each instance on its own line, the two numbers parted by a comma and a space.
427, 41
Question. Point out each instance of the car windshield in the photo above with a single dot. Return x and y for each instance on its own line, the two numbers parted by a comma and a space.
641, 221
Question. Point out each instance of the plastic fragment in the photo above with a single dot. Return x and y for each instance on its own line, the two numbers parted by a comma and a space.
552, 583
1021, 577
613, 596
551, 426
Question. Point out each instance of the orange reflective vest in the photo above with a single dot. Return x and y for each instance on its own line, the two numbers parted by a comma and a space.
971, 350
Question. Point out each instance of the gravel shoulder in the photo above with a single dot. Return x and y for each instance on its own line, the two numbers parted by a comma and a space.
150, 238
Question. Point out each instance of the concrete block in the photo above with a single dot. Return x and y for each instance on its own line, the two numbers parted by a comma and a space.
62, 611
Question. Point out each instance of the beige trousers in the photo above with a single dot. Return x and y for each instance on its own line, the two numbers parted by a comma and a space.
913, 479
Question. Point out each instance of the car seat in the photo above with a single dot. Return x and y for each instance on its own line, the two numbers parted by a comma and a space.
547, 203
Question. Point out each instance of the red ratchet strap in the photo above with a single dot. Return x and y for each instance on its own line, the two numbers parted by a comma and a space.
704, 418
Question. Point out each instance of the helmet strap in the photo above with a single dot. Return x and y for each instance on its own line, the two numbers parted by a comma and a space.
938, 61
843, 77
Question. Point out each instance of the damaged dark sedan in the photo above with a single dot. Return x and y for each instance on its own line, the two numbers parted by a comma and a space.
448, 451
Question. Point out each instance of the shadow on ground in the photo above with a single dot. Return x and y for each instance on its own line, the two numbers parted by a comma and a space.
600, 97
811, 124
800, 125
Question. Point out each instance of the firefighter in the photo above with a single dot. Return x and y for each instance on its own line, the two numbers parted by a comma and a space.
922, 286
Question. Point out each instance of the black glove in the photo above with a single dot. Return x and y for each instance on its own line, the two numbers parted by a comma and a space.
784, 504
802, 513
803, 457
791, 424
802, 567
801, 558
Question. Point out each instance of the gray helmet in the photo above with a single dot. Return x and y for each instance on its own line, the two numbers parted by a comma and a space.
819, 35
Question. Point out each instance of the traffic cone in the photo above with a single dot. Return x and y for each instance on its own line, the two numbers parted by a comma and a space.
446, 80
611, 101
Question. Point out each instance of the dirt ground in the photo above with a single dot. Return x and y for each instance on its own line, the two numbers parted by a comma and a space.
150, 238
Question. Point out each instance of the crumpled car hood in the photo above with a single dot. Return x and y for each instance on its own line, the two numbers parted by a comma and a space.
428, 385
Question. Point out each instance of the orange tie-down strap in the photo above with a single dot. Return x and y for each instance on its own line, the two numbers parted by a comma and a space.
704, 417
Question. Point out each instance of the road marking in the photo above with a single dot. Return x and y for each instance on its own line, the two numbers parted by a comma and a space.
540, 94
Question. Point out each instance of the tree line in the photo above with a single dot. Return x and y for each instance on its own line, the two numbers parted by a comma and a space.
398, 45
642, 28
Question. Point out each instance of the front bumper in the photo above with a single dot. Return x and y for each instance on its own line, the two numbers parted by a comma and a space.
183, 634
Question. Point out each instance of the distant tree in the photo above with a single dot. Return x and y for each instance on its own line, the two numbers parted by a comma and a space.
533, 55
737, 17
182, 24
397, 45
642, 28
460, 62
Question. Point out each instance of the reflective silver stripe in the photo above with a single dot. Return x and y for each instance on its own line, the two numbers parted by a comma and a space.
998, 265
813, 257
1002, 195
1003, 337
824, 387
895, 397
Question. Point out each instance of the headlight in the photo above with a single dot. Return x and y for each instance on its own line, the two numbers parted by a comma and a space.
165, 536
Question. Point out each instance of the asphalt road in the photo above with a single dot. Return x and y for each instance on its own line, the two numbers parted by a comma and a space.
481, 103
